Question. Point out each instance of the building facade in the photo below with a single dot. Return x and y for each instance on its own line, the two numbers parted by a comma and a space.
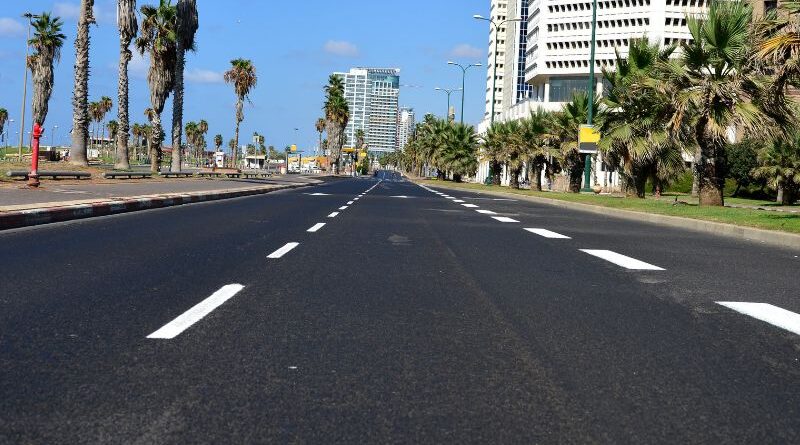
405, 126
373, 95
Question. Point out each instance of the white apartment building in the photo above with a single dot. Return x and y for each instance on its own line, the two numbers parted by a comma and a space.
373, 94
555, 49
405, 126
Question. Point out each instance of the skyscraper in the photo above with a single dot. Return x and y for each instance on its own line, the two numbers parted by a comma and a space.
405, 126
373, 94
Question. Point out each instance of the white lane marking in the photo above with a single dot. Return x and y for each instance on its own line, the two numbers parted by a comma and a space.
333, 215
401, 197
350, 203
454, 199
621, 260
548, 234
319, 194
773, 315
447, 197
459, 201
343, 208
175, 327
315, 228
504, 199
470, 206
356, 199
505, 219
486, 212
283, 250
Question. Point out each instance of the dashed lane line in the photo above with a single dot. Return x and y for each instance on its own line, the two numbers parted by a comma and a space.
505, 219
486, 212
315, 228
773, 315
350, 203
470, 206
621, 260
343, 208
333, 215
548, 234
283, 251
196, 313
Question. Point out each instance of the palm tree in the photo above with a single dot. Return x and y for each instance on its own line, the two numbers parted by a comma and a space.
46, 42
202, 130
320, 127
128, 27
242, 76
113, 129
153, 136
96, 114
187, 24
158, 39
3, 119
780, 165
105, 104
337, 115
218, 141
80, 94
537, 139
459, 150
191, 137
716, 85
136, 132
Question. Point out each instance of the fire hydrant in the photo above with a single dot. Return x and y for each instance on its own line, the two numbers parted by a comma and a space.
33, 177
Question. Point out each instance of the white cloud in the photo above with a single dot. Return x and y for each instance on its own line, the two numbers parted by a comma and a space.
11, 28
465, 51
341, 48
204, 76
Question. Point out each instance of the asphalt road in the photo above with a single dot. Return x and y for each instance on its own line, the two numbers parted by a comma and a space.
408, 317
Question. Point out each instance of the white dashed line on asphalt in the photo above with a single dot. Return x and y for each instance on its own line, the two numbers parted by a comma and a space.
621, 260
196, 313
505, 219
319, 194
548, 234
282, 251
315, 228
773, 315
343, 208
350, 203
333, 215
459, 201
486, 212
470, 206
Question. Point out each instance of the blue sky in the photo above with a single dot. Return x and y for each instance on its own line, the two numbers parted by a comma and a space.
294, 45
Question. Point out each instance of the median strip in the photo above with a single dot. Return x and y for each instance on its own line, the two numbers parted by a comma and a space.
196, 313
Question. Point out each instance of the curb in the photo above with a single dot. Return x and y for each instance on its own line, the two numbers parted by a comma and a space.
752, 234
35, 217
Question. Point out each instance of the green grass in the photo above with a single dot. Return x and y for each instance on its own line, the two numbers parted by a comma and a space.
786, 222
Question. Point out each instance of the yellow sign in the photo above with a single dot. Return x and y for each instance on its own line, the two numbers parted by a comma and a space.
348, 150
588, 135
294, 147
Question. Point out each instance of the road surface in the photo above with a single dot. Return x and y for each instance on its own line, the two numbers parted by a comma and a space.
367, 310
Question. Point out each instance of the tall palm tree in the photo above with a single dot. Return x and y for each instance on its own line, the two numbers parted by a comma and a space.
96, 116
242, 76
459, 150
153, 137
158, 39
3, 120
46, 42
187, 24
191, 137
218, 141
105, 105
128, 27
492, 149
113, 129
537, 139
80, 94
136, 132
320, 127
337, 115
716, 84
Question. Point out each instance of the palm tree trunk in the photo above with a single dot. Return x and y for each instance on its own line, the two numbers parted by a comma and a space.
236, 147
156, 144
177, 108
123, 133
80, 96
536, 177
711, 185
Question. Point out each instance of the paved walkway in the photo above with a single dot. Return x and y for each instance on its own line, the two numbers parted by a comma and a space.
16, 196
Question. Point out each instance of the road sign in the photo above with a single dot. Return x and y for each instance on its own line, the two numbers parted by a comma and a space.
588, 138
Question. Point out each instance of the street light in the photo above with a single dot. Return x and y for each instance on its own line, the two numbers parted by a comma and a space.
463, 82
53, 137
30, 18
448, 92
496, 26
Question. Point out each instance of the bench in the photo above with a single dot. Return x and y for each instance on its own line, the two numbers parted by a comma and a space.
256, 175
176, 174
233, 175
127, 175
49, 174
209, 174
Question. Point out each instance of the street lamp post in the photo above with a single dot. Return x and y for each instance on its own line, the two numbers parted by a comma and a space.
448, 92
496, 27
30, 17
587, 166
463, 82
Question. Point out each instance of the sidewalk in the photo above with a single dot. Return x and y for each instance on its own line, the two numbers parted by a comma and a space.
16, 196
58, 201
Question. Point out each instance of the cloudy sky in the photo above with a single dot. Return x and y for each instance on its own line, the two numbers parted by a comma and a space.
294, 45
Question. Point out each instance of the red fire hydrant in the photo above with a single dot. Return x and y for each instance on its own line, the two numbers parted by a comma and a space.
33, 177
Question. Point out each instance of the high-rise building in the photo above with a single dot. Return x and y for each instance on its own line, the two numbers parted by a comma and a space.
373, 94
405, 126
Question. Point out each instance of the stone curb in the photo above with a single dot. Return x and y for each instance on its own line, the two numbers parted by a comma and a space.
761, 236
35, 217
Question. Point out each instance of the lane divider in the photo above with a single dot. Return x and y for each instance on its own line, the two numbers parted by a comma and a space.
333, 215
773, 315
315, 228
621, 260
505, 219
196, 313
283, 251
548, 234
